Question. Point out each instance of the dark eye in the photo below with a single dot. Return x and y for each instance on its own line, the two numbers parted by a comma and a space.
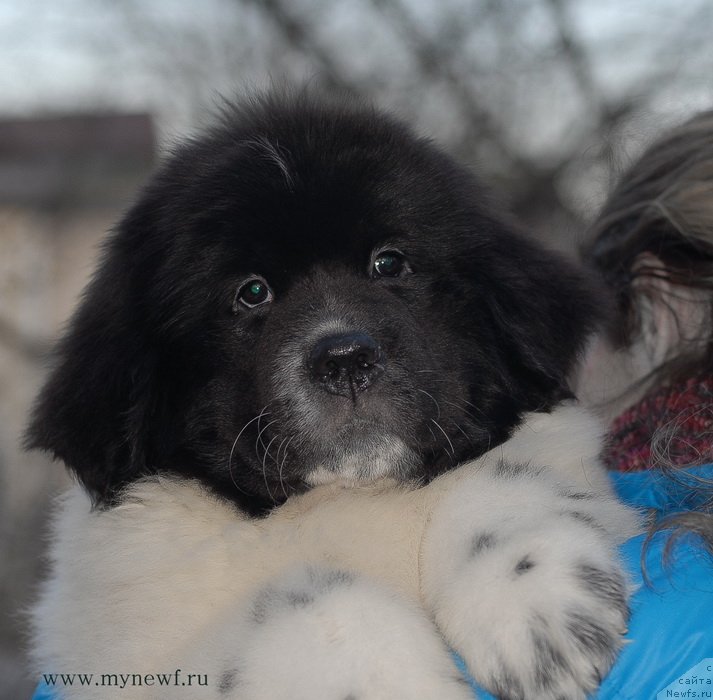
390, 263
253, 293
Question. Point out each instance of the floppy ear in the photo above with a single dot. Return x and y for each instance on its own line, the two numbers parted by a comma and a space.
545, 308
95, 408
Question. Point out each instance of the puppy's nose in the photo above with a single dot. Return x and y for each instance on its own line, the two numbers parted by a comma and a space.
347, 363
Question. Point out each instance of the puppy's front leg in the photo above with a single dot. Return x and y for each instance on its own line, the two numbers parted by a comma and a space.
319, 633
520, 571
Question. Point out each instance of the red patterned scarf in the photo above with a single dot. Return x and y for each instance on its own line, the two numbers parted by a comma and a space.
678, 417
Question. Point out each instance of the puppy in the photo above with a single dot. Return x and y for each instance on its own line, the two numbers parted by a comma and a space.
306, 297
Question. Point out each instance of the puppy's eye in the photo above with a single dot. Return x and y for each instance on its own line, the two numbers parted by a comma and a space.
253, 293
390, 263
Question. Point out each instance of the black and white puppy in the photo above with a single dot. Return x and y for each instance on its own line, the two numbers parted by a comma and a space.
309, 296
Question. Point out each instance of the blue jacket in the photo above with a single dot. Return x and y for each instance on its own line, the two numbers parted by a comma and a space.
671, 628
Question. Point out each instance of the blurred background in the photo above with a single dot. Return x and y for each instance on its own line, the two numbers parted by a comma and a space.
548, 99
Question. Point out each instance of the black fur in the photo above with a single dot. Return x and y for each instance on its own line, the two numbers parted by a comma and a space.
482, 542
228, 681
163, 367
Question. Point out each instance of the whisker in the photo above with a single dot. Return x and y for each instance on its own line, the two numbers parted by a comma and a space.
264, 468
259, 437
259, 418
282, 465
462, 409
435, 440
467, 437
438, 408
235, 443
267, 450
453, 452
276, 458
475, 408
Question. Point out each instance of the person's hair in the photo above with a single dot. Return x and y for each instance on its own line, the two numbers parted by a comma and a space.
663, 205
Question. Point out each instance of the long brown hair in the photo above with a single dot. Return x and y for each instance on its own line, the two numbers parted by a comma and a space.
663, 205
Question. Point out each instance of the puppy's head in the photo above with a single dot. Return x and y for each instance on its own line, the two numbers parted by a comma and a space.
307, 292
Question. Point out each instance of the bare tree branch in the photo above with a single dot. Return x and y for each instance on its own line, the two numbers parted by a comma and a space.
436, 61
576, 58
300, 35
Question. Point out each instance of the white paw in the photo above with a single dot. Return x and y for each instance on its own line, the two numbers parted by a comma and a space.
531, 595
326, 634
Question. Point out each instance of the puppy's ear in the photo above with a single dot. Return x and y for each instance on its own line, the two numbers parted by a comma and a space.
546, 308
97, 404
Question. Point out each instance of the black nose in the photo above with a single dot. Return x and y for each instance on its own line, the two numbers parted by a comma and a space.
347, 363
